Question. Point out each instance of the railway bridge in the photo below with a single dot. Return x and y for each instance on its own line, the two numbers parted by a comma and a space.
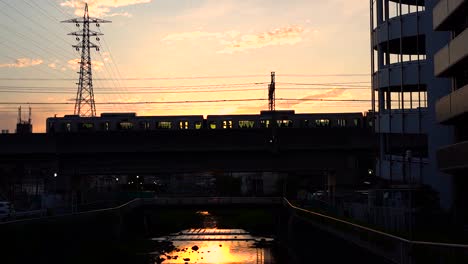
344, 154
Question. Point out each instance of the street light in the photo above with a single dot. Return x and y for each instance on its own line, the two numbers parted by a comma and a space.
55, 174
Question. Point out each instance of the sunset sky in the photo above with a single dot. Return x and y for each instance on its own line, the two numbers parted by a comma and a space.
186, 50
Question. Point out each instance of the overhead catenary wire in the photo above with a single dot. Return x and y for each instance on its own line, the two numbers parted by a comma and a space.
195, 101
32, 30
180, 77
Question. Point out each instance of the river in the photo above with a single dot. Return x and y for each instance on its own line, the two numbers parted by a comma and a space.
210, 244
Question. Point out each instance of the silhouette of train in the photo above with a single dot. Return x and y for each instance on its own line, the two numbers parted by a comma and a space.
132, 122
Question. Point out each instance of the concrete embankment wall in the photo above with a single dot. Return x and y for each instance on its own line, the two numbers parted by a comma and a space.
64, 239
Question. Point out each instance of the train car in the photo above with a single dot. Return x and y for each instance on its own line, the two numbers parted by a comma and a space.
232, 121
121, 122
335, 120
131, 122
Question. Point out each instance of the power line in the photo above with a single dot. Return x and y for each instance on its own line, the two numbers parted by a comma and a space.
70, 91
153, 87
194, 101
181, 78
35, 23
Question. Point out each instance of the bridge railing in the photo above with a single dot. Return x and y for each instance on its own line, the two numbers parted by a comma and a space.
394, 248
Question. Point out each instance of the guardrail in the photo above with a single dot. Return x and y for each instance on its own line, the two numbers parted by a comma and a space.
122, 208
42, 214
394, 248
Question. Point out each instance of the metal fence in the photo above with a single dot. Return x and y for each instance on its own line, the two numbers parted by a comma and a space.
393, 248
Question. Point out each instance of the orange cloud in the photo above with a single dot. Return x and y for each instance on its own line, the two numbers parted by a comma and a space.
233, 41
288, 104
277, 37
200, 34
101, 8
22, 63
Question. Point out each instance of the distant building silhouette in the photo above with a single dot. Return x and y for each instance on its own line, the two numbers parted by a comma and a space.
24, 126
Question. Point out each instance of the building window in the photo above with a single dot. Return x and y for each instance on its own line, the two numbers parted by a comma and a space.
322, 122
106, 126
341, 122
212, 125
305, 123
164, 125
183, 124
125, 125
227, 124
198, 125
246, 124
68, 127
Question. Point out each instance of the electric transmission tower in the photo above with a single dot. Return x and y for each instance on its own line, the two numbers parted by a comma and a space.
271, 93
84, 103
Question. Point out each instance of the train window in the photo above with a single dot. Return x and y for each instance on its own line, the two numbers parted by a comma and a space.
145, 125
264, 123
284, 123
322, 122
183, 124
198, 125
305, 123
246, 124
106, 126
341, 122
357, 122
227, 124
125, 125
164, 125
213, 125
86, 126
68, 127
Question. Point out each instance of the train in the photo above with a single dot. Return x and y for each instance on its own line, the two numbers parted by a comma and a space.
109, 122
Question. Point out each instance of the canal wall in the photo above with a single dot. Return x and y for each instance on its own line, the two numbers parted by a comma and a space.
64, 239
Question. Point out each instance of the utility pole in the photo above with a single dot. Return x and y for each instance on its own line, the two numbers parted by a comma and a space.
84, 102
271, 93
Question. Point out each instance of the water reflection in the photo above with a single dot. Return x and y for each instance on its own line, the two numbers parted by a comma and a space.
215, 246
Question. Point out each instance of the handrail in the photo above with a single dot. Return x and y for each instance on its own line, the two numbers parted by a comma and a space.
76, 213
414, 242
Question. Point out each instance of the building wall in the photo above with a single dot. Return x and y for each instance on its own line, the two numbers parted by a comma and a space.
451, 61
438, 135
403, 48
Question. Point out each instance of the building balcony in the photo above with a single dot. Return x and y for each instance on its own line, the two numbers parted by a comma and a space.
411, 2
453, 158
406, 27
395, 168
453, 106
453, 54
447, 11
411, 72
398, 121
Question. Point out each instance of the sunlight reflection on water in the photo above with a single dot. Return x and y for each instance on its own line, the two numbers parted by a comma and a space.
214, 245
